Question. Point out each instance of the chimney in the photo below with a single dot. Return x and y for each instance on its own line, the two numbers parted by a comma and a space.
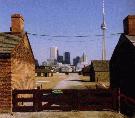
17, 23
129, 25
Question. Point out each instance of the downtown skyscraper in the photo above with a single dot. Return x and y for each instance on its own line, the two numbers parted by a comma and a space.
67, 57
53, 53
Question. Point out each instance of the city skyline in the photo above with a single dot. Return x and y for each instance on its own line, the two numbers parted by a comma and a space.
69, 18
55, 55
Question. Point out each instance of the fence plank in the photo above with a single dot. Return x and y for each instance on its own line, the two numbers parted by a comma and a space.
68, 99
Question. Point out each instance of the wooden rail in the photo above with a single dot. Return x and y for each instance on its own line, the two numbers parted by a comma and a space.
64, 100
127, 104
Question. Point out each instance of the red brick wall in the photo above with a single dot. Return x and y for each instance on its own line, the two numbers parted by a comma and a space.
5, 85
129, 25
16, 73
17, 23
23, 66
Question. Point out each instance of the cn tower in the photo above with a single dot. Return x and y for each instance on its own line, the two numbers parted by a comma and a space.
103, 28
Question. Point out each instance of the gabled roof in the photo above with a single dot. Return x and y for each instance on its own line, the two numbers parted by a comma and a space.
8, 42
100, 65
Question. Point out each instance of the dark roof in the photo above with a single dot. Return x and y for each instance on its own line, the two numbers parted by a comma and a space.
8, 42
45, 70
100, 65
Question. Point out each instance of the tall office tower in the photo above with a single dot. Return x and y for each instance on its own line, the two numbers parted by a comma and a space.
57, 53
76, 60
67, 57
60, 59
53, 53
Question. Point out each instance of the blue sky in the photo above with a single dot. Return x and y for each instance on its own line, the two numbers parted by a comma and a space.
70, 18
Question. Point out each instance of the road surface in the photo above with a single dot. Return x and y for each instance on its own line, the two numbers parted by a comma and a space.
73, 81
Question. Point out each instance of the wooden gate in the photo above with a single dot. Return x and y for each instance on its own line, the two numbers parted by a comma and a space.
65, 100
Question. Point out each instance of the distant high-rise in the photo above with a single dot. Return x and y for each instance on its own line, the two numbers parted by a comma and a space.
44, 63
53, 53
83, 58
67, 57
60, 59
36, 62
76, 61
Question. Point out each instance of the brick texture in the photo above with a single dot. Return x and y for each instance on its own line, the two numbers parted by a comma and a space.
22, 66
129, 25
17, 23
5, 85
17, 72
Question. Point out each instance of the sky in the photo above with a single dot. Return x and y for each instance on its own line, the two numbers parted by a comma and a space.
68, 18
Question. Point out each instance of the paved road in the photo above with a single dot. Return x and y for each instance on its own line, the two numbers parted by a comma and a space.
72, 82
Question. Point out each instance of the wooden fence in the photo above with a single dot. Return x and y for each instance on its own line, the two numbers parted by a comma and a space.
65, 100
127, 105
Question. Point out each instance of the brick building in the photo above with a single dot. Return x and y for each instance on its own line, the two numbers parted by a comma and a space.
44, 71
17, 64
122, 64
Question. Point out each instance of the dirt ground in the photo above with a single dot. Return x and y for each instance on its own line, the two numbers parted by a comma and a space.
93, 85
82, 114
52, 82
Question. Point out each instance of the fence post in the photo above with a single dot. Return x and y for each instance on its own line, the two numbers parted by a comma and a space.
37, 103
75, 100
39, 100
115, 99
14, 102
